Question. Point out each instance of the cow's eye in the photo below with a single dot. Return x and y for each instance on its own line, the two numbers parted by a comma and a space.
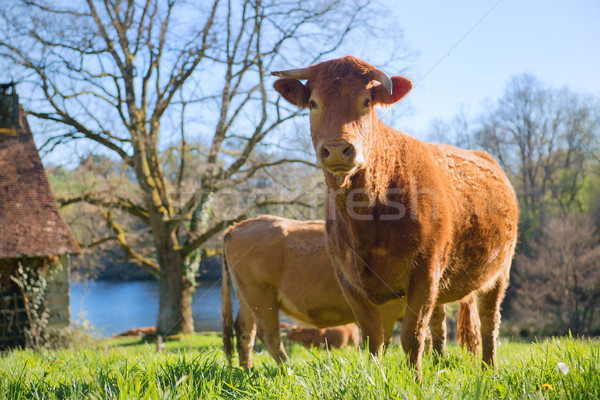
312, 104
367, 102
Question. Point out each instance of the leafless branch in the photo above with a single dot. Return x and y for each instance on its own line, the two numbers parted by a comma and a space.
121, 236
97, 242
109, 201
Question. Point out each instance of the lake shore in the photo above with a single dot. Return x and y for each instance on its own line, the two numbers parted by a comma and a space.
114, 307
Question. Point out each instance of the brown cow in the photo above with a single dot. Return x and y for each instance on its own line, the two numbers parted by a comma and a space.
427, 221
336, 337
278, 264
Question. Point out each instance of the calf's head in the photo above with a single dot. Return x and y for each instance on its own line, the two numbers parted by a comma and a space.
341, 95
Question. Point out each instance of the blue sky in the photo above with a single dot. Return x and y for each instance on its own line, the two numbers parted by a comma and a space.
465, 51
557, 41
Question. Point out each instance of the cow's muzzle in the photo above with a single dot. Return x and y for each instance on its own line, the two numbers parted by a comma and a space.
339, 157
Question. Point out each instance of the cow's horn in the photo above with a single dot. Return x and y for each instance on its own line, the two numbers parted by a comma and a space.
380, 76
300, 73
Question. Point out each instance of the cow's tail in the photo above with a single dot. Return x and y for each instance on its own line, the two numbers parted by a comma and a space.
468, 326
227, 310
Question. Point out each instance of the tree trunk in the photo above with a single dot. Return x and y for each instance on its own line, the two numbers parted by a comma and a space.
175, 303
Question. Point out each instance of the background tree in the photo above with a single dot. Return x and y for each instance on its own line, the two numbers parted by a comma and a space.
545, 139
137, 78
458, 131
101, 256
559, 284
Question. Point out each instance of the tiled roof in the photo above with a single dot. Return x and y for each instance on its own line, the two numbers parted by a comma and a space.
30, 224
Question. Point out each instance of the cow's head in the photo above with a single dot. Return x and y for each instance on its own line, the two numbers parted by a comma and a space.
341, 95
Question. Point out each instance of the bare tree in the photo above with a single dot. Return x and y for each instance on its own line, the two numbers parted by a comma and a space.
100, 252
457, 132
135, 78
559, 285
544, 138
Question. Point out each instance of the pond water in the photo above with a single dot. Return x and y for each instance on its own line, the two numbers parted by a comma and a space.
114, 307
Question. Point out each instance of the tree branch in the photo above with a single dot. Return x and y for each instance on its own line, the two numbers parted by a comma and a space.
251, 170
96, 137
197, 241
99, 199
132, 255
96, 242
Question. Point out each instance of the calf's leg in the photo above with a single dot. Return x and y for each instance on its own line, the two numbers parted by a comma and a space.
245, 332
266, 314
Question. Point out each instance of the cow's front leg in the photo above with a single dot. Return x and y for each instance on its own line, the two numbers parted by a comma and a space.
420, 300
368, 318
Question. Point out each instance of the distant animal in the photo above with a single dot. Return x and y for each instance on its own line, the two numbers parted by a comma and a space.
148, 330
431, 222
278, 264
286, 326
336, 337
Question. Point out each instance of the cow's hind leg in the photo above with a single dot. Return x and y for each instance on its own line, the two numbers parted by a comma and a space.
245, 332
437, 325
468, 327
489, 314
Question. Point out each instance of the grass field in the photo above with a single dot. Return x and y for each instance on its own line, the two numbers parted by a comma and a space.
194, 368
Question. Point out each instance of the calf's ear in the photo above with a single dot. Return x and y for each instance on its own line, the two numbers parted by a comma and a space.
401, 86
293, 91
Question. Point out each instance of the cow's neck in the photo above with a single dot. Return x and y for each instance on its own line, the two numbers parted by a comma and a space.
387, 186
388, 155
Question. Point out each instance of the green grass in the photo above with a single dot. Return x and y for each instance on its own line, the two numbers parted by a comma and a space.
194, 368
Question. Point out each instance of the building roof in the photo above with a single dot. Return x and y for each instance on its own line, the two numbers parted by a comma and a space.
30, 224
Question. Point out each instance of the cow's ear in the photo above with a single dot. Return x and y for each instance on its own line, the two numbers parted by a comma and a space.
401, 86
293, 91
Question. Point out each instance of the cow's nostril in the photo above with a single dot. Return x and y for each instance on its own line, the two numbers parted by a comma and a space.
337, 153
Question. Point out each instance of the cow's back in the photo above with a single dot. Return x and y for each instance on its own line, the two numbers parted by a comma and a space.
253, 248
